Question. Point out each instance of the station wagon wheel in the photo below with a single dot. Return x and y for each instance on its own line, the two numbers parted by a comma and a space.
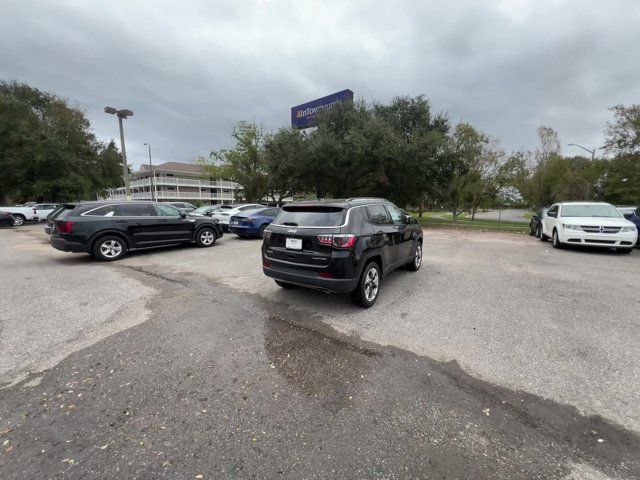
416, 261
206, 238
109, 248
366, 294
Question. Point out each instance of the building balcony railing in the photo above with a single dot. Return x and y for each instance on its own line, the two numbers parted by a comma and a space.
175, 196
187, 182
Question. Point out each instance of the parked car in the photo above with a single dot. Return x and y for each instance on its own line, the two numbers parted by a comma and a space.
634, 218
627, 210
34, 213
108, 230
48, 227
253, 222
340, 246
225, 212
535, 223
6, 219
594, 224
206, 210
183, 206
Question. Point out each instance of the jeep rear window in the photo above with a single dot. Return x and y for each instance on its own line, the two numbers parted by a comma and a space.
310, 216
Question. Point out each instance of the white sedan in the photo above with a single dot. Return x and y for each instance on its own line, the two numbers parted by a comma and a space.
595, 224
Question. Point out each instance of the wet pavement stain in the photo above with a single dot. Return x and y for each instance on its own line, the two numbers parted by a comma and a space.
498, 422
321, 366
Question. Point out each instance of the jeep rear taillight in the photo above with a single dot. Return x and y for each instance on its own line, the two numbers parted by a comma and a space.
65, 226
338, 240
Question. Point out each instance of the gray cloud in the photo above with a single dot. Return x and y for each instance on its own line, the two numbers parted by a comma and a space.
190, 70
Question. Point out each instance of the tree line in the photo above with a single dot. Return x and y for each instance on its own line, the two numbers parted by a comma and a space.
401, 150
405, 152
48, 151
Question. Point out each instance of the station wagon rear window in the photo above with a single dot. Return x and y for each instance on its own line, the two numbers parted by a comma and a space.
106, 211
310, 216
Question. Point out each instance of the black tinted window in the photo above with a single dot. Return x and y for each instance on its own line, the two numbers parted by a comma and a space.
106, 211
134, 210
166, 210
311, 216
63, 213
397, 215
378, 215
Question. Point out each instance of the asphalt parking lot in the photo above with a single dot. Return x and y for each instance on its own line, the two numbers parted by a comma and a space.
500, 358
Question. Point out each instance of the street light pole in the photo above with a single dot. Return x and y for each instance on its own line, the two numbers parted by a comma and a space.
124, 113
592, 152
150, 170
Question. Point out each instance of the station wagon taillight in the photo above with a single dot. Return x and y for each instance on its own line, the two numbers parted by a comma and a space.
338, 240
65, 226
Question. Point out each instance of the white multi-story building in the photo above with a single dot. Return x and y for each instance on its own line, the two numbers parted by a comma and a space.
178, 182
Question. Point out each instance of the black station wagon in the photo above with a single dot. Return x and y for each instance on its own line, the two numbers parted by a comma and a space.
107, 230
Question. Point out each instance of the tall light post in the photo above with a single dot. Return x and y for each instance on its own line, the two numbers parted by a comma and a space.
125, 169
150, 170
592, 152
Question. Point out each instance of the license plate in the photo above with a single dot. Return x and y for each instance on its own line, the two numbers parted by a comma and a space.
294, 243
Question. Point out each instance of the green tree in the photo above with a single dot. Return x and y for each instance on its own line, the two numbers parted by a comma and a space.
466, 154
285, 160
621, 180
243, 164
47, 150
548, 149
417, 169
348, 151
623, 134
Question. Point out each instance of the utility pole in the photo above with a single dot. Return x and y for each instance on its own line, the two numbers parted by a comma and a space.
150, 171
125, 168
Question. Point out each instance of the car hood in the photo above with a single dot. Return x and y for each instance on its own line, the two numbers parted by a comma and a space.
599, 221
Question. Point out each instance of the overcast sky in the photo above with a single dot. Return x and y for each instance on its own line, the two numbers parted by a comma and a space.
191, 69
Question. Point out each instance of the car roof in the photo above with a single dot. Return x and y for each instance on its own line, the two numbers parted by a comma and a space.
340, 203
583, 203
98, 203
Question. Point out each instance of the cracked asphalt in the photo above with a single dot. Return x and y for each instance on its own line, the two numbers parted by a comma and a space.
501, 358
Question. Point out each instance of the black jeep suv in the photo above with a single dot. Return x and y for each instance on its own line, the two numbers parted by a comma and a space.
340, 246
109, 229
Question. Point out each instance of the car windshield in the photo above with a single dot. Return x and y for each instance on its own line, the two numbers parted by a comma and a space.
310, 216
608, 211
204, 209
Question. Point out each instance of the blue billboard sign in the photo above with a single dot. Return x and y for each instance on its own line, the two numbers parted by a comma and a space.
304, 116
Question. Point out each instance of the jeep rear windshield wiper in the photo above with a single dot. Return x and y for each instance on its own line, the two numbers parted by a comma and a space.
290, 224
